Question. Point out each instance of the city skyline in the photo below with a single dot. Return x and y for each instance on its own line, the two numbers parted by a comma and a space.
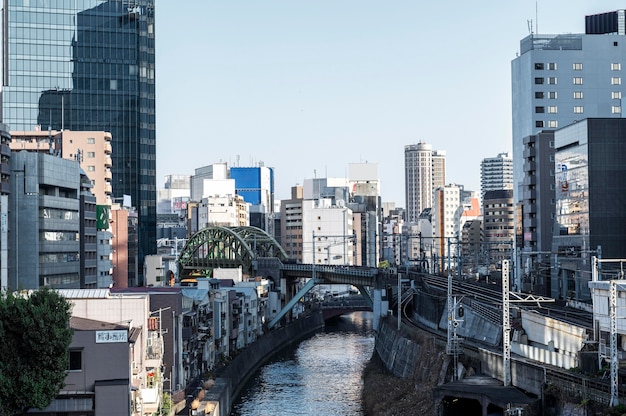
283, 84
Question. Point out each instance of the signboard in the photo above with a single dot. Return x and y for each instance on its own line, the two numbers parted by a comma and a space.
111, 336
102, 217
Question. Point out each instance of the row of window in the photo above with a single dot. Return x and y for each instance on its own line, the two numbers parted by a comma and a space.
577, 95
575, 80
577, 66
578, 109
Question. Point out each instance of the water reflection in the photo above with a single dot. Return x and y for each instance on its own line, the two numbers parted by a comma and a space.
320, 376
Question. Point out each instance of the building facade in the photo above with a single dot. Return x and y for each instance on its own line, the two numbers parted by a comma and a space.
44, 222
91, 69
256, 186
590, 190
560, 79
498, 227
496, 173
424, 171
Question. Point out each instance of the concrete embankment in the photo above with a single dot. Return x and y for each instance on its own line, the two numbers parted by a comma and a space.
231, 379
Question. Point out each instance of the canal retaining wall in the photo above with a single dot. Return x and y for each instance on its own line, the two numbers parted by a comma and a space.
232, 379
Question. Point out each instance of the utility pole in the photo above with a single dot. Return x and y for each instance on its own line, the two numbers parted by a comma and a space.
506, 318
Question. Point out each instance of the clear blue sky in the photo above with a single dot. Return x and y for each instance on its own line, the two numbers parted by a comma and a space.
308, 87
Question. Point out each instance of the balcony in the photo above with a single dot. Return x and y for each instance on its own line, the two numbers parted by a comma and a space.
530, 194
530, 166
530, 152
530, 180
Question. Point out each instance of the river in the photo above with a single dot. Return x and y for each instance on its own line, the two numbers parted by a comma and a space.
319, 376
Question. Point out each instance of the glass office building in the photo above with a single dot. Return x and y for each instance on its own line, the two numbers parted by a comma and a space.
88, 65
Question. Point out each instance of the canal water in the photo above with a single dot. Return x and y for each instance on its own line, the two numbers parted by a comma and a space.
319, 376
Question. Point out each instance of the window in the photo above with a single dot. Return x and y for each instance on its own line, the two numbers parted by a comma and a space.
553, 124
578, 109
552, 95
616, 67
91, 168
91, 140
553, 109
577, 67
552, 80
578, 95
616, 81
616, 95
539, 110
578, 80
616, 109
539, 66
76, 360
538, 81
539, 95
539, 123
91, 154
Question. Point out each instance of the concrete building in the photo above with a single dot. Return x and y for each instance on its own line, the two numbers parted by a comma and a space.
590, 188
174, 196
124, 241
200, 188
44, 222
536, 213
92, 150
424, 171
228, 210
256, 186
146, 347
560, 79
496, 173
446, 218
291, 223
498, 227
365, 204
58, 86
97, 381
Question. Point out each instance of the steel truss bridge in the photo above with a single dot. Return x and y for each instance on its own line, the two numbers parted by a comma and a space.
259, 254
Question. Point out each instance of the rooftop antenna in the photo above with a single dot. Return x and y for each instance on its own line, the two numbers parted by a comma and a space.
537, 16
529, 22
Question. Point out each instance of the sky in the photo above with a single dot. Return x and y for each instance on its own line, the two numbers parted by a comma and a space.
308, 87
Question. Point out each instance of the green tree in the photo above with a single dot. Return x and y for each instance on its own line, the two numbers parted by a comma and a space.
34, 340
166, 405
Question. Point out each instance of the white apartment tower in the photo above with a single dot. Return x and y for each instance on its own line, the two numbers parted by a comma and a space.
424, 171
496, 173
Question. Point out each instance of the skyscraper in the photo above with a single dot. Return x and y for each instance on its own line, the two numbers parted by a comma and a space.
424, 171
89, 66
560, 79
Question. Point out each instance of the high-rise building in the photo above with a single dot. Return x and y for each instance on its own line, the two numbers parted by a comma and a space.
560, 79
590, 189
496, 173
89, 66
424, 171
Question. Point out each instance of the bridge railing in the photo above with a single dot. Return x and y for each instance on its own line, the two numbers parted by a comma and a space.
359, 271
